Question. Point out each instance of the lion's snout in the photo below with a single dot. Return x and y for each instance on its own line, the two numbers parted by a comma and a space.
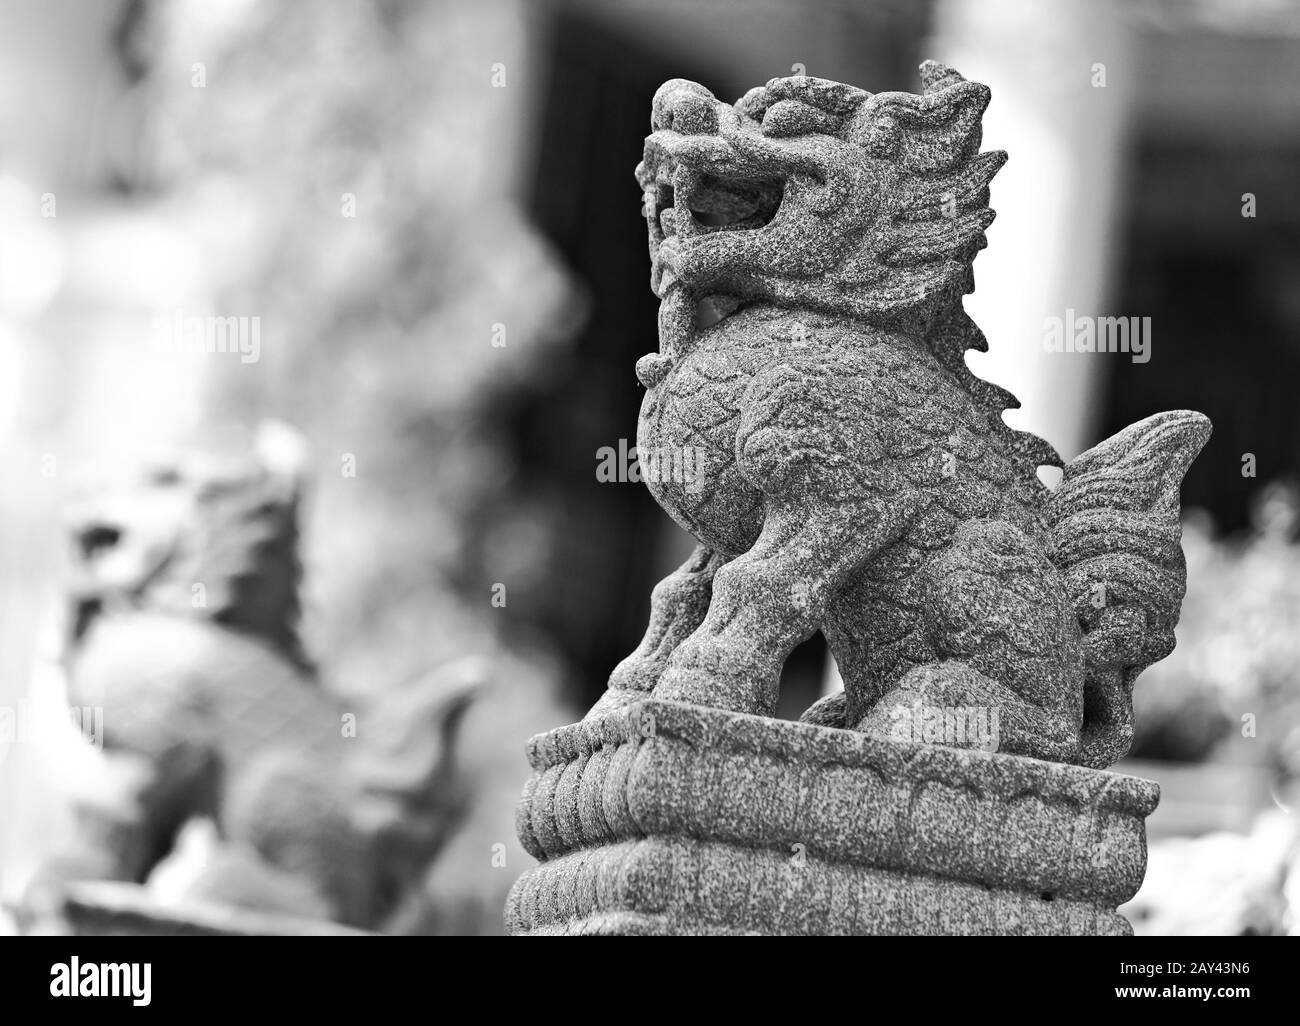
684, 107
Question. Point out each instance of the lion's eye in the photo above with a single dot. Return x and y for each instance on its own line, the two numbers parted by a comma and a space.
735, 202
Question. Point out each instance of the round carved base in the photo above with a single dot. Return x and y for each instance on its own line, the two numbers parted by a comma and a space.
669, 818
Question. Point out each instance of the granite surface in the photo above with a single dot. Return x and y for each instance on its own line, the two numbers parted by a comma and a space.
664, 817
810, 419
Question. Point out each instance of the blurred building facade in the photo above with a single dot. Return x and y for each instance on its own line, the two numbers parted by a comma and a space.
430, 210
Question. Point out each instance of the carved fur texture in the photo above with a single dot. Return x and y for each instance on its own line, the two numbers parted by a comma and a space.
814, 425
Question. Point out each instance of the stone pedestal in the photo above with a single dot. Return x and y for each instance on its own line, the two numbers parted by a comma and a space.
666, 818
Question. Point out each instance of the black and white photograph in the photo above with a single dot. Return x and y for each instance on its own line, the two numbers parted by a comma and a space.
650, 468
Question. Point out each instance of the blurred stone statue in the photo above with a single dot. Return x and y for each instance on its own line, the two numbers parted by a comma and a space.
184, 631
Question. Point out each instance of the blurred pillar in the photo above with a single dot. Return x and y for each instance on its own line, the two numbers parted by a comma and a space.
1061, 73
57, 74
1057, 199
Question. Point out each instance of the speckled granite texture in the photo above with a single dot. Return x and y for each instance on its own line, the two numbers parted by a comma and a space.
670, 818
810, 419
848, 473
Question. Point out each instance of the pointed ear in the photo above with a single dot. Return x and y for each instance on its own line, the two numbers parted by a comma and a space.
936, 77
933, 132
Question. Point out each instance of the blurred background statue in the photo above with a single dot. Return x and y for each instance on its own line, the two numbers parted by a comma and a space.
184, 635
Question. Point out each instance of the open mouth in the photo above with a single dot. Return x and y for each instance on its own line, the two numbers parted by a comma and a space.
733, 204
690, 204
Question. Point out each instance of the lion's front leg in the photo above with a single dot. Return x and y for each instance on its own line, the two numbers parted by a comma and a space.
678, 605
769, 600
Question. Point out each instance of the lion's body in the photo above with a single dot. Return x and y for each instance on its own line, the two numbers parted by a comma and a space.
915, 461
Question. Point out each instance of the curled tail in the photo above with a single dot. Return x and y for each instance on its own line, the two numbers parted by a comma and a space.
1115, 525
413, 792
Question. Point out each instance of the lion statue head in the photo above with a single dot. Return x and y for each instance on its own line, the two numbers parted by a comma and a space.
817, 196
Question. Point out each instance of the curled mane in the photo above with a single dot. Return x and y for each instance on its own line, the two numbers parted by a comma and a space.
914, 260
227, 525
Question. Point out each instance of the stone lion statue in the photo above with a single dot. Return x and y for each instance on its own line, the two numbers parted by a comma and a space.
810, 246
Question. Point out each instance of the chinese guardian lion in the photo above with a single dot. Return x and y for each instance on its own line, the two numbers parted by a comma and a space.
810, 247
